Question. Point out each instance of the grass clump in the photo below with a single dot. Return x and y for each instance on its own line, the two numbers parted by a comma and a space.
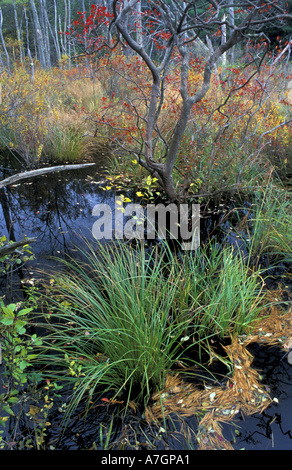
115, 327
221, 293
124, 318
266, 228
68, 144
272, 225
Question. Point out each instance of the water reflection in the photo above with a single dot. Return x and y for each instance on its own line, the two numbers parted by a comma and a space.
271, 430
55, 208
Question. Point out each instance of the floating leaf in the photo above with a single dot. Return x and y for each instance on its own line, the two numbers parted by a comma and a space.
212, 396
33, 410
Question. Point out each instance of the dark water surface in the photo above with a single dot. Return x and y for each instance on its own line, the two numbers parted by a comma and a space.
57, 209
272, 430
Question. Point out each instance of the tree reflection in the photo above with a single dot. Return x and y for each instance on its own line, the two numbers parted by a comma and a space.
55, 208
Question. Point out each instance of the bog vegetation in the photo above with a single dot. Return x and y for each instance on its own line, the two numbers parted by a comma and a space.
130, 323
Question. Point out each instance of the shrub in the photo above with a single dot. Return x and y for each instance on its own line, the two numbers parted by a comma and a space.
26, 110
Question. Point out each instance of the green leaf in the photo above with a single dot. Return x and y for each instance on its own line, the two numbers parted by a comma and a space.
7, 321
3, 420
11, 307
23, 365
13, 400
31, 356
24, 311
7, 312
8, 410
19, 326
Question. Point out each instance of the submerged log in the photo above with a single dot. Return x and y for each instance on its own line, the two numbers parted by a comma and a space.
8, 249
41, 171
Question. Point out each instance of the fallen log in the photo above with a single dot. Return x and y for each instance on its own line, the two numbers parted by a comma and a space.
8, 249
41, 171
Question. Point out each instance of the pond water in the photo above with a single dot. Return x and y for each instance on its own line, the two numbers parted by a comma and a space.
272, 429
57, 209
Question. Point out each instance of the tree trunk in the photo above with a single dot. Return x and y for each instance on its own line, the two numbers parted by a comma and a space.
27, 45
3, 42
85, 42
55, 39
39, 36
57, 44
232, 23
18, 32
45, 32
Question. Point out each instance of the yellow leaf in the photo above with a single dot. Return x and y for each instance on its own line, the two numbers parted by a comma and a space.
33, 410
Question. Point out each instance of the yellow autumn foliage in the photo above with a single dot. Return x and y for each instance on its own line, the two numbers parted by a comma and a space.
28, 104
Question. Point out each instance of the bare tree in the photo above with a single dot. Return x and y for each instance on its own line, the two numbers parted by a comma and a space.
3, 42
56, 40
28, 44
45, 29
18, 32
39, 35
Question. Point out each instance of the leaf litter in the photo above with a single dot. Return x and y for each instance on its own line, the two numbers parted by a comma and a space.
242, 392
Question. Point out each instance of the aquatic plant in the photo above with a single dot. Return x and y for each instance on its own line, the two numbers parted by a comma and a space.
220, 293
122, 318
113, 324
68, 143
265, 229
271, 233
